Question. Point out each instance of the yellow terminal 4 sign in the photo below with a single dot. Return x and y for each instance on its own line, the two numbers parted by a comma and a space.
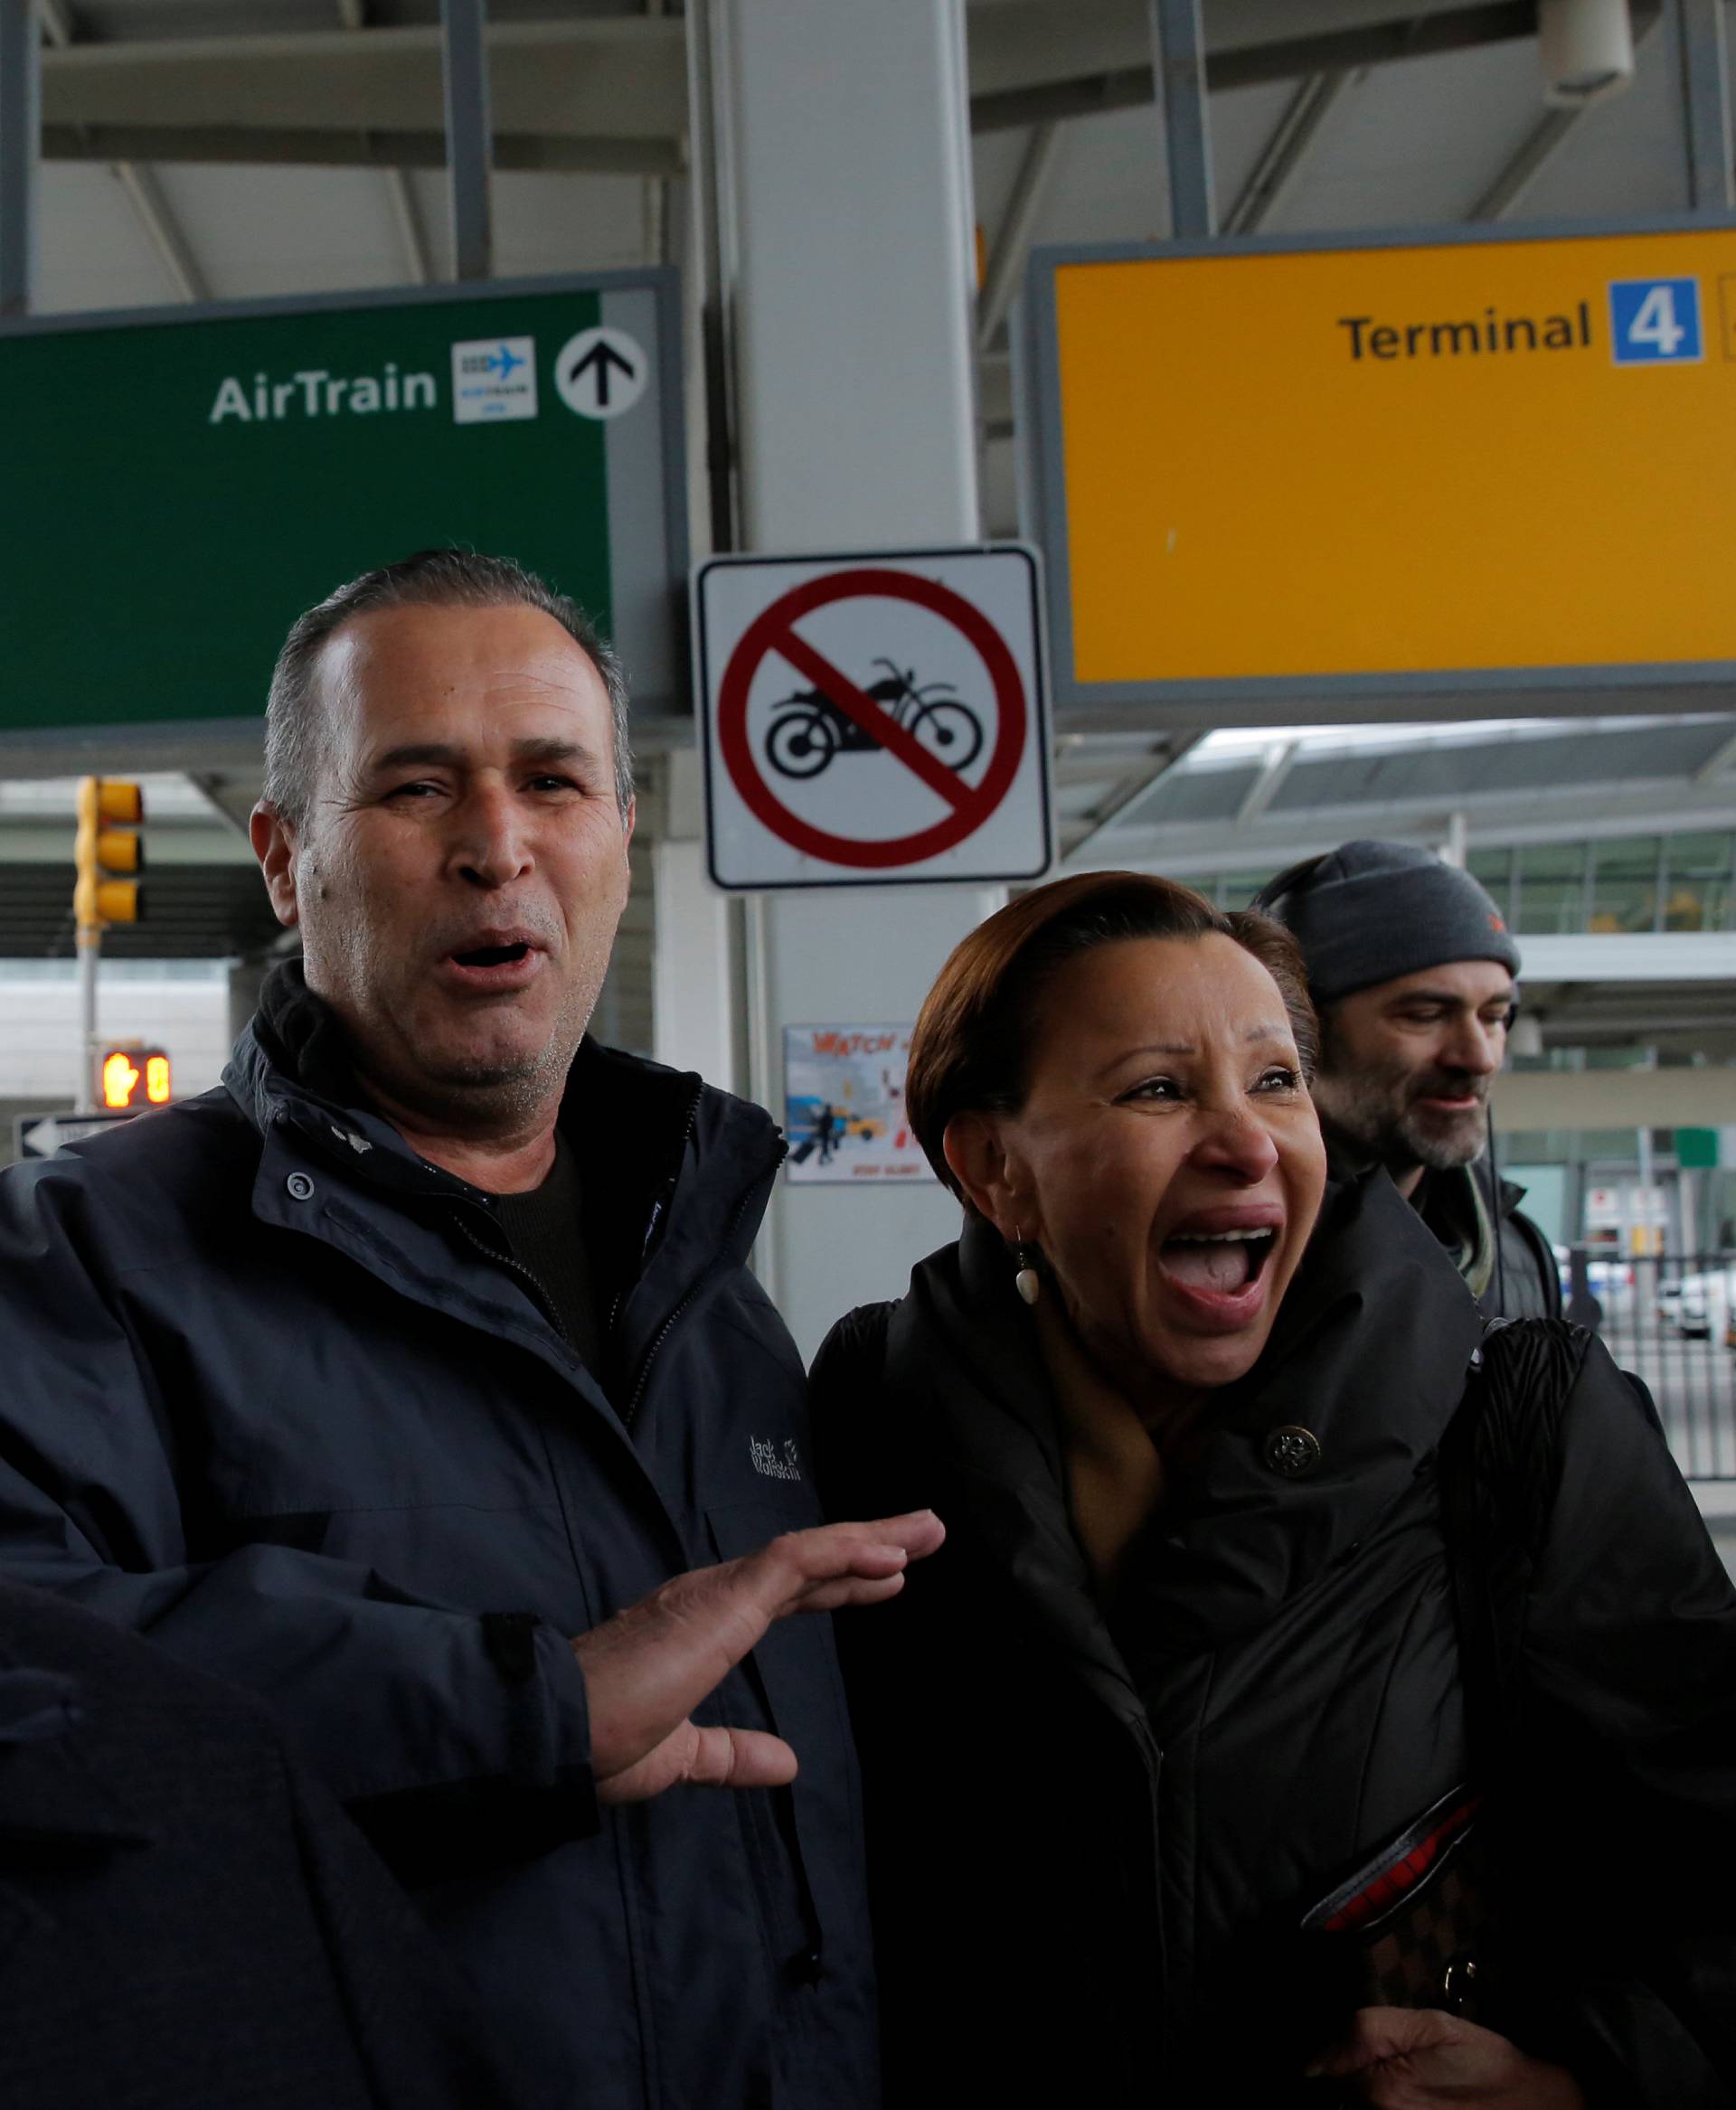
1375, 469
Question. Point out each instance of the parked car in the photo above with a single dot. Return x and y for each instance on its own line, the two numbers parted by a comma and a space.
1686, 1305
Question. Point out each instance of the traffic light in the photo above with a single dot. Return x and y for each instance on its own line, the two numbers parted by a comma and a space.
132, 1076
109, 854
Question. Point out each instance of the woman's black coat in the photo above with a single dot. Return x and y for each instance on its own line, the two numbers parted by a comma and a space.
1092, 1838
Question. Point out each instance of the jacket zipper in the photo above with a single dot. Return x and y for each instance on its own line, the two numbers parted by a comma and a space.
516, 1266
662, 1333
652, 1221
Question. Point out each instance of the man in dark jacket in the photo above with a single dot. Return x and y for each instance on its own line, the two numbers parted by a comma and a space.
414, 1377
169, 1877
1411, 969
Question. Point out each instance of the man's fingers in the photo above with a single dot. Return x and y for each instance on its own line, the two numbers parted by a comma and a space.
852, 1591
648, 1668
919, 1530
703, 1757
785, 1571
740, 1758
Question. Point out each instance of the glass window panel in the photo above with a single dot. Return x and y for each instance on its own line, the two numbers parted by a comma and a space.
1624, 887
1705, 855
1493, 870
1235, 889
1552, 888
1698, 883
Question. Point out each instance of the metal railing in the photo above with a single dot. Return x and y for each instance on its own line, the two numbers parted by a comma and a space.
1671, 1320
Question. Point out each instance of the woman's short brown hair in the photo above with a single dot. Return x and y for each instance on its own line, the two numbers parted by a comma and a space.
973, 1037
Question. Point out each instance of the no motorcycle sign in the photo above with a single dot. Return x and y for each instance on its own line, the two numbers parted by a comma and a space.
873, 719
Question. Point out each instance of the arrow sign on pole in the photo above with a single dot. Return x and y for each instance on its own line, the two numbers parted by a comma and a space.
602, 372
43, 1136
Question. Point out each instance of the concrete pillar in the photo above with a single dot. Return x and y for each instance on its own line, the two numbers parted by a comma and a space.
846, 249
696, 1007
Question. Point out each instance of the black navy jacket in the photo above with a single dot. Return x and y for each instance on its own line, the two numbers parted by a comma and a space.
187, 1921
1093, 1836
276, 1394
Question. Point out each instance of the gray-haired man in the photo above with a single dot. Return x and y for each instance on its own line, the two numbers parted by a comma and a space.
415, 1379
1411, 969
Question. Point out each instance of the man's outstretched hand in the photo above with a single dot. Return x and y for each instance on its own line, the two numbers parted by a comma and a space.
647, 1668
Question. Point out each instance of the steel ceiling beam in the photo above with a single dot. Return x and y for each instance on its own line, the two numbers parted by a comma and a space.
1284, 152
1133, 783
1705, 103
19, 151
1540, 146
145, 195
1088, 87
1178, 67
593, 77
323, 147
418, 266
469, 136
1718, 763
138, 180
1275, 765
655, 202
1546, 138
609, 93
1013, 242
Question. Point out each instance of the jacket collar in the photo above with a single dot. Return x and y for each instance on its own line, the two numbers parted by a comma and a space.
963, 1347
631, 1119
677, 1173
1370, 1354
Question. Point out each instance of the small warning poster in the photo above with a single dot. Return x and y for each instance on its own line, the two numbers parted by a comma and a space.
844, 1105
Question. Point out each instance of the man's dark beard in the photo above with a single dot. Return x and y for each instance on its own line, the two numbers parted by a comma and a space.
1379, 1115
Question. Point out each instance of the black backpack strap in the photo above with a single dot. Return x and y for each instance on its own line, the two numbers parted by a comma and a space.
1499, 1469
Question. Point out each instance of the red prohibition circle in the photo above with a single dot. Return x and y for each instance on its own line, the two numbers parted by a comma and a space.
768, 632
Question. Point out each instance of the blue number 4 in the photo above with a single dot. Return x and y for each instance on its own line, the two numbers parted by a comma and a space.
1655, 322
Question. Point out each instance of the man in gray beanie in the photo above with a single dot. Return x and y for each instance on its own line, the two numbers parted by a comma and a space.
1411, 969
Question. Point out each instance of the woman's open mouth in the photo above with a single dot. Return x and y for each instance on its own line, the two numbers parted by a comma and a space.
1221, 1275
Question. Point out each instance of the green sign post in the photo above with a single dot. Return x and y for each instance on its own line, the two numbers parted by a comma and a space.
179, 485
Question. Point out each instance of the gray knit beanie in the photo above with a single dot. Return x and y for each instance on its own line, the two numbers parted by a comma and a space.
1369, 912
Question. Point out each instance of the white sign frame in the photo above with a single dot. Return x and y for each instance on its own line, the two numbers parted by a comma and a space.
790, 774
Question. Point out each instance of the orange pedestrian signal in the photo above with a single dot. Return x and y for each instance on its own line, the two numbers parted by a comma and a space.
120, 1079
133, 1077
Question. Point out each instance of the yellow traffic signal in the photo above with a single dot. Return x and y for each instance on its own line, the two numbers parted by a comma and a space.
133, 1075
109, 854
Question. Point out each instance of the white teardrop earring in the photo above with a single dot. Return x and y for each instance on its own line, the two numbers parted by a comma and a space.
1028, 1281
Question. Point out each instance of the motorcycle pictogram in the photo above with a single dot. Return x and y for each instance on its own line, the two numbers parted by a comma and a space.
810, 728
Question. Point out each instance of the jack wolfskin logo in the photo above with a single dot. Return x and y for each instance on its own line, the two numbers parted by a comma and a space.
775, 1462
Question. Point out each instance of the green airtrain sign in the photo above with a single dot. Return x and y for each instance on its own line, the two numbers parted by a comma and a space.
176, 488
